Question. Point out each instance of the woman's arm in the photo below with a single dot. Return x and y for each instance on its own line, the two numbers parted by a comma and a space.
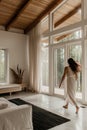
63, 77
79, 68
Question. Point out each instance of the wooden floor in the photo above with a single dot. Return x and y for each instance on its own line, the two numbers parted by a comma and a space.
54, 104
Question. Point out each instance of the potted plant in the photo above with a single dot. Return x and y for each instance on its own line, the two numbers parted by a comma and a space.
18, 74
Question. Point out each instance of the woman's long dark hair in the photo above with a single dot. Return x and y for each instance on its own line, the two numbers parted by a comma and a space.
73, 65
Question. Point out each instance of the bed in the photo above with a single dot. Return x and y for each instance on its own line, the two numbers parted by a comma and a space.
13, 117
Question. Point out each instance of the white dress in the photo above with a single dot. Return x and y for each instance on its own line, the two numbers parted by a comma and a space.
71, 87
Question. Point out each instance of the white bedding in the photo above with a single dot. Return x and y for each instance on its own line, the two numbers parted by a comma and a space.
16, 117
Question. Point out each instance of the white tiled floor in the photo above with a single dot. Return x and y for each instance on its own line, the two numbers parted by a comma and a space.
54, 104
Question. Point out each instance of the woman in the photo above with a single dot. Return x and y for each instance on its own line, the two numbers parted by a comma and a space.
71, 72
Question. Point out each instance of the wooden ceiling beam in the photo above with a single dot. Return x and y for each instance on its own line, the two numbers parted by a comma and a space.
17, 13
70, 14
42, 15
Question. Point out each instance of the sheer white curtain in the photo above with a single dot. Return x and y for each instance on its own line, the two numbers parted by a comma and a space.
34, 57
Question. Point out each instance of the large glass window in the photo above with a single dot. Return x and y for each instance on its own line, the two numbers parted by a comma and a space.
67, 37
66, 40
45, 66
3, 66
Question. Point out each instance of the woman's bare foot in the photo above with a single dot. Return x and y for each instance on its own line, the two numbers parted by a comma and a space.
77, 109
66, 106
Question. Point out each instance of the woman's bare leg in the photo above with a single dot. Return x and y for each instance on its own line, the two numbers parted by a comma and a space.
77, 109
74, 102
66, 106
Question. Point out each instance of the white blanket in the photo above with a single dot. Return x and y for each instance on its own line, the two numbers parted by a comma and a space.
16, 118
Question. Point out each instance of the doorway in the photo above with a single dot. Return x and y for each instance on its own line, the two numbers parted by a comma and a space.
60, 54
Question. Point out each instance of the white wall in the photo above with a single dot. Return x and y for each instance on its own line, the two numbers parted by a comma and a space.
16, 44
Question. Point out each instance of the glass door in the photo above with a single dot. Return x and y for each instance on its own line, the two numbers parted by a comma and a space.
75, 52
58, 64
61, 54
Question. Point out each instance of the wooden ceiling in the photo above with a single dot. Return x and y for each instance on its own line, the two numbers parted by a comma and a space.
25, 14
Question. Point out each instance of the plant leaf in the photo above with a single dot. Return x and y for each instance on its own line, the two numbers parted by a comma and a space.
22, 73
18, 69
14, 73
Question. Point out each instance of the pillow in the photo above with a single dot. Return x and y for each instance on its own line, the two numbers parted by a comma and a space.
3, 105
